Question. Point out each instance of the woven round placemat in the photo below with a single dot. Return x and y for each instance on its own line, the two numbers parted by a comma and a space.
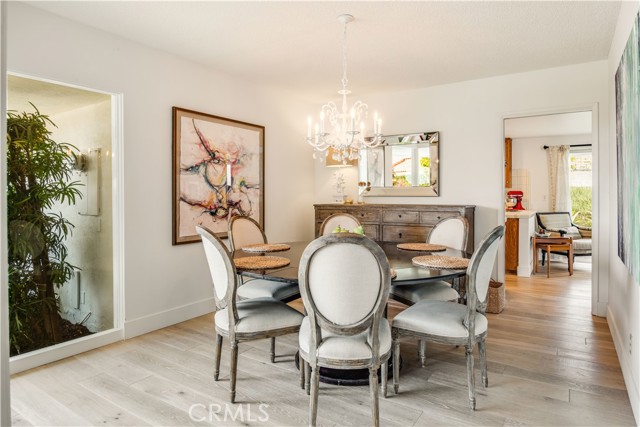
394, 273
261, 262
266, 247
441, 261
425, 247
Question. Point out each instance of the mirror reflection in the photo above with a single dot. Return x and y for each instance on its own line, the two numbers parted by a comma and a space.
405, 164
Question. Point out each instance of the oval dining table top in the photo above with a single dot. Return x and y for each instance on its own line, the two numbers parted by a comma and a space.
399, 259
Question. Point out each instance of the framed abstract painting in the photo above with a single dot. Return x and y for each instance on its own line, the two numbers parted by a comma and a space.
627, 88
218, 172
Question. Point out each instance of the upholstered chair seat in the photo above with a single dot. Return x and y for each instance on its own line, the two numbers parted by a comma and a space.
259, 314
582, 247
411, 294
439, 319
354, 347
260, 288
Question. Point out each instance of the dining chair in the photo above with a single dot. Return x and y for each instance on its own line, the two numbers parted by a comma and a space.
244, 231
344, 280
243, 320
344, 220
447, 322
451, 232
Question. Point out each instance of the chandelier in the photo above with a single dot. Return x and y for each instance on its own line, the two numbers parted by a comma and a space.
342, 132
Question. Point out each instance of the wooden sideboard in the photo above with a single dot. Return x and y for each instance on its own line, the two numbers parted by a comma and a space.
398, 223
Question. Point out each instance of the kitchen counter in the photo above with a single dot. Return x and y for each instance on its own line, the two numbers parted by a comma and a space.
521, 226
520, 214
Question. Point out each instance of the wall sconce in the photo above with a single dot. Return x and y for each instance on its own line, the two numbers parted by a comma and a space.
80, 162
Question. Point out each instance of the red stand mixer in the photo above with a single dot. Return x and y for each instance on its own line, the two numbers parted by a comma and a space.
515, 196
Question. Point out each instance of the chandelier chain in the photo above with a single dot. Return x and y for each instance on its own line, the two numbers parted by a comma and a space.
345, 81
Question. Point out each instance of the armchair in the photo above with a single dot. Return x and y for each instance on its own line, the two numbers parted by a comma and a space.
561, 225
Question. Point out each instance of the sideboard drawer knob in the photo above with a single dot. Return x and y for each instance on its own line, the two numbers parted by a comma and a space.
438, 217
399, 216
362, 215
400, 235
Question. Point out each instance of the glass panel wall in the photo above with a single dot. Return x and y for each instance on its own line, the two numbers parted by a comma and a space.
60, 213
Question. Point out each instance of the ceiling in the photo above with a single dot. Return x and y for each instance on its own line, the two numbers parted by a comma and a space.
393, 46
49, 98
578, 123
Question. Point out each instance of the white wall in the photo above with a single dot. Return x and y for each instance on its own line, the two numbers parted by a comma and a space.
469, 116
166, 284
624, 295
528, 154
91, 243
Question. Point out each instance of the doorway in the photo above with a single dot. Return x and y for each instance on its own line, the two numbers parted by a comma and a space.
78, 306
530, 140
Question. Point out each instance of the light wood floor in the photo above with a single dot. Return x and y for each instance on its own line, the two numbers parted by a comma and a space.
550, 363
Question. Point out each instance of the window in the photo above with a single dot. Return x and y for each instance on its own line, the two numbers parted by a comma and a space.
581, 181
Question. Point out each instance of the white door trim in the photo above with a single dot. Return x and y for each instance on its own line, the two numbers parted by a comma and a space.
599, 288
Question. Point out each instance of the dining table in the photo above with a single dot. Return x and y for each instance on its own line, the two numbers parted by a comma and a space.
400, 260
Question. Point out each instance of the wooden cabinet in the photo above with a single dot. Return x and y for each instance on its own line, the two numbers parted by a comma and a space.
507, 163
398, 223
512, 230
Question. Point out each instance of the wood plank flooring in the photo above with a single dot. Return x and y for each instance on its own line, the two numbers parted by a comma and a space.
550, 364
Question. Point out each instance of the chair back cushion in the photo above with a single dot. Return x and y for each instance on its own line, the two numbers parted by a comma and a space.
244, 231
344, 280
451, 232
481, 267
339, 219
554, 220
220, 265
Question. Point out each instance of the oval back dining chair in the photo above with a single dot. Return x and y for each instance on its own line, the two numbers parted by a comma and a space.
451, 323
344, 220
244, 231
244, 320
344, 280
452, 232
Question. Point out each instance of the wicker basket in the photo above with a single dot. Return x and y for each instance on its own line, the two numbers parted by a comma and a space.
496, 297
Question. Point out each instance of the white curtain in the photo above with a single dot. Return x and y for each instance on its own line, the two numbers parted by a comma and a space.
559, 185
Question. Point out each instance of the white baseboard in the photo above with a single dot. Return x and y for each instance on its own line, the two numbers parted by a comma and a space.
524, 271
63, 350
152, 322
625, 364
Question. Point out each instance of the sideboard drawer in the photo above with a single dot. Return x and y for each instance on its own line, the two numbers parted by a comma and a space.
401, 216
404, 233
432, 218
322, 214
366, 215
371, 231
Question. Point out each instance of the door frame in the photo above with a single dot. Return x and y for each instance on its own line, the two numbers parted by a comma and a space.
599, 288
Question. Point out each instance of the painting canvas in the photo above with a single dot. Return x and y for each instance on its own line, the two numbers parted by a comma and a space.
218, 172
627, 88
